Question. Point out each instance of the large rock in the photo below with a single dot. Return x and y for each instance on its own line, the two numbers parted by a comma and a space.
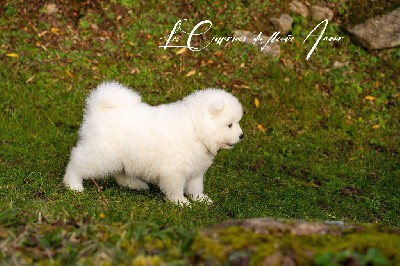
379, 32
283, 24
299, 8
321, 13
264, 241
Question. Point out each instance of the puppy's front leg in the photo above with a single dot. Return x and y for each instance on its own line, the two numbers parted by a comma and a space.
195, 190
173, 187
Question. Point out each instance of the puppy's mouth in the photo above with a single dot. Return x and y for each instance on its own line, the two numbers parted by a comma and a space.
228, 145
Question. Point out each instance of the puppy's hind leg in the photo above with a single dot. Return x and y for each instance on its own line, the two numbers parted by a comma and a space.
73, 181
130, 182
74, 173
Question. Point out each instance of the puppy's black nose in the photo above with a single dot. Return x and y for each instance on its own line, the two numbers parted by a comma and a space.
241, 136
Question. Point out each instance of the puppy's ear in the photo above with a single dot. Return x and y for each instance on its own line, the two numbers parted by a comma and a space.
216, 107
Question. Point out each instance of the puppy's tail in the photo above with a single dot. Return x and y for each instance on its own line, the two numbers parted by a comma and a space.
111, 95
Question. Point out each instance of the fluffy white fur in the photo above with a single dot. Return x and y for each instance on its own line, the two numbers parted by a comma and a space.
171, 145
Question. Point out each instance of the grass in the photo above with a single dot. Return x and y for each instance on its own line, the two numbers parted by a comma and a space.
328, 148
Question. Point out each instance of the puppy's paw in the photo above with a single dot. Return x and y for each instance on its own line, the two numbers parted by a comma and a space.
203, 198
181, 201
74, 187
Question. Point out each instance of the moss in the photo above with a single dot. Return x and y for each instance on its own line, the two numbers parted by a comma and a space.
142, 260
207, 249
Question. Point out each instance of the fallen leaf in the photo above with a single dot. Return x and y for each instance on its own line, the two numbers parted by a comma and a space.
370, 98
311, 184
55, 30
376, 126
29, 80
261, 128
182, 50
134, 71
242, 65
68, 73
12, 55
256, 102
43, 33
191, 73
102, 215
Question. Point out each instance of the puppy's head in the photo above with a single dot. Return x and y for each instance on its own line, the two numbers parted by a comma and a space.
217, 119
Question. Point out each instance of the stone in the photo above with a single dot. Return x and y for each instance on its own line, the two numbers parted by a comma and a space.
51, 9
299, 8
378, 32
271, 49
338, 64
321, 13
283, 24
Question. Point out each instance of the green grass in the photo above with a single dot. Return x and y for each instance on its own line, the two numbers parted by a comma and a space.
327, 153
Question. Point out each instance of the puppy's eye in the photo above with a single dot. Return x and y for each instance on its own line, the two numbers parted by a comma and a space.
230, 125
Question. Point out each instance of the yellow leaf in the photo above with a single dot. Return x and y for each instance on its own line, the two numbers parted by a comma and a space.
191, 73
55, 30
256, 102
41, 34
311, 184
261, 128
182, 50
376, 126
102, 215
68, 73
12, 55
29, 80
370, 98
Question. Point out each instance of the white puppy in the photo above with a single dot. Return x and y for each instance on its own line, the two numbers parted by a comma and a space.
171, 145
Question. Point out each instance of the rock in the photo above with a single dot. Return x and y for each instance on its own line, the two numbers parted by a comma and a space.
264, 241
299, 8
271, 49
321, 13
51, 9
283, 24
338, 64
94, 26
378, 32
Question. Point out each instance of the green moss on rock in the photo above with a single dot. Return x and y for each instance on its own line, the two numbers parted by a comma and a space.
279, 242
